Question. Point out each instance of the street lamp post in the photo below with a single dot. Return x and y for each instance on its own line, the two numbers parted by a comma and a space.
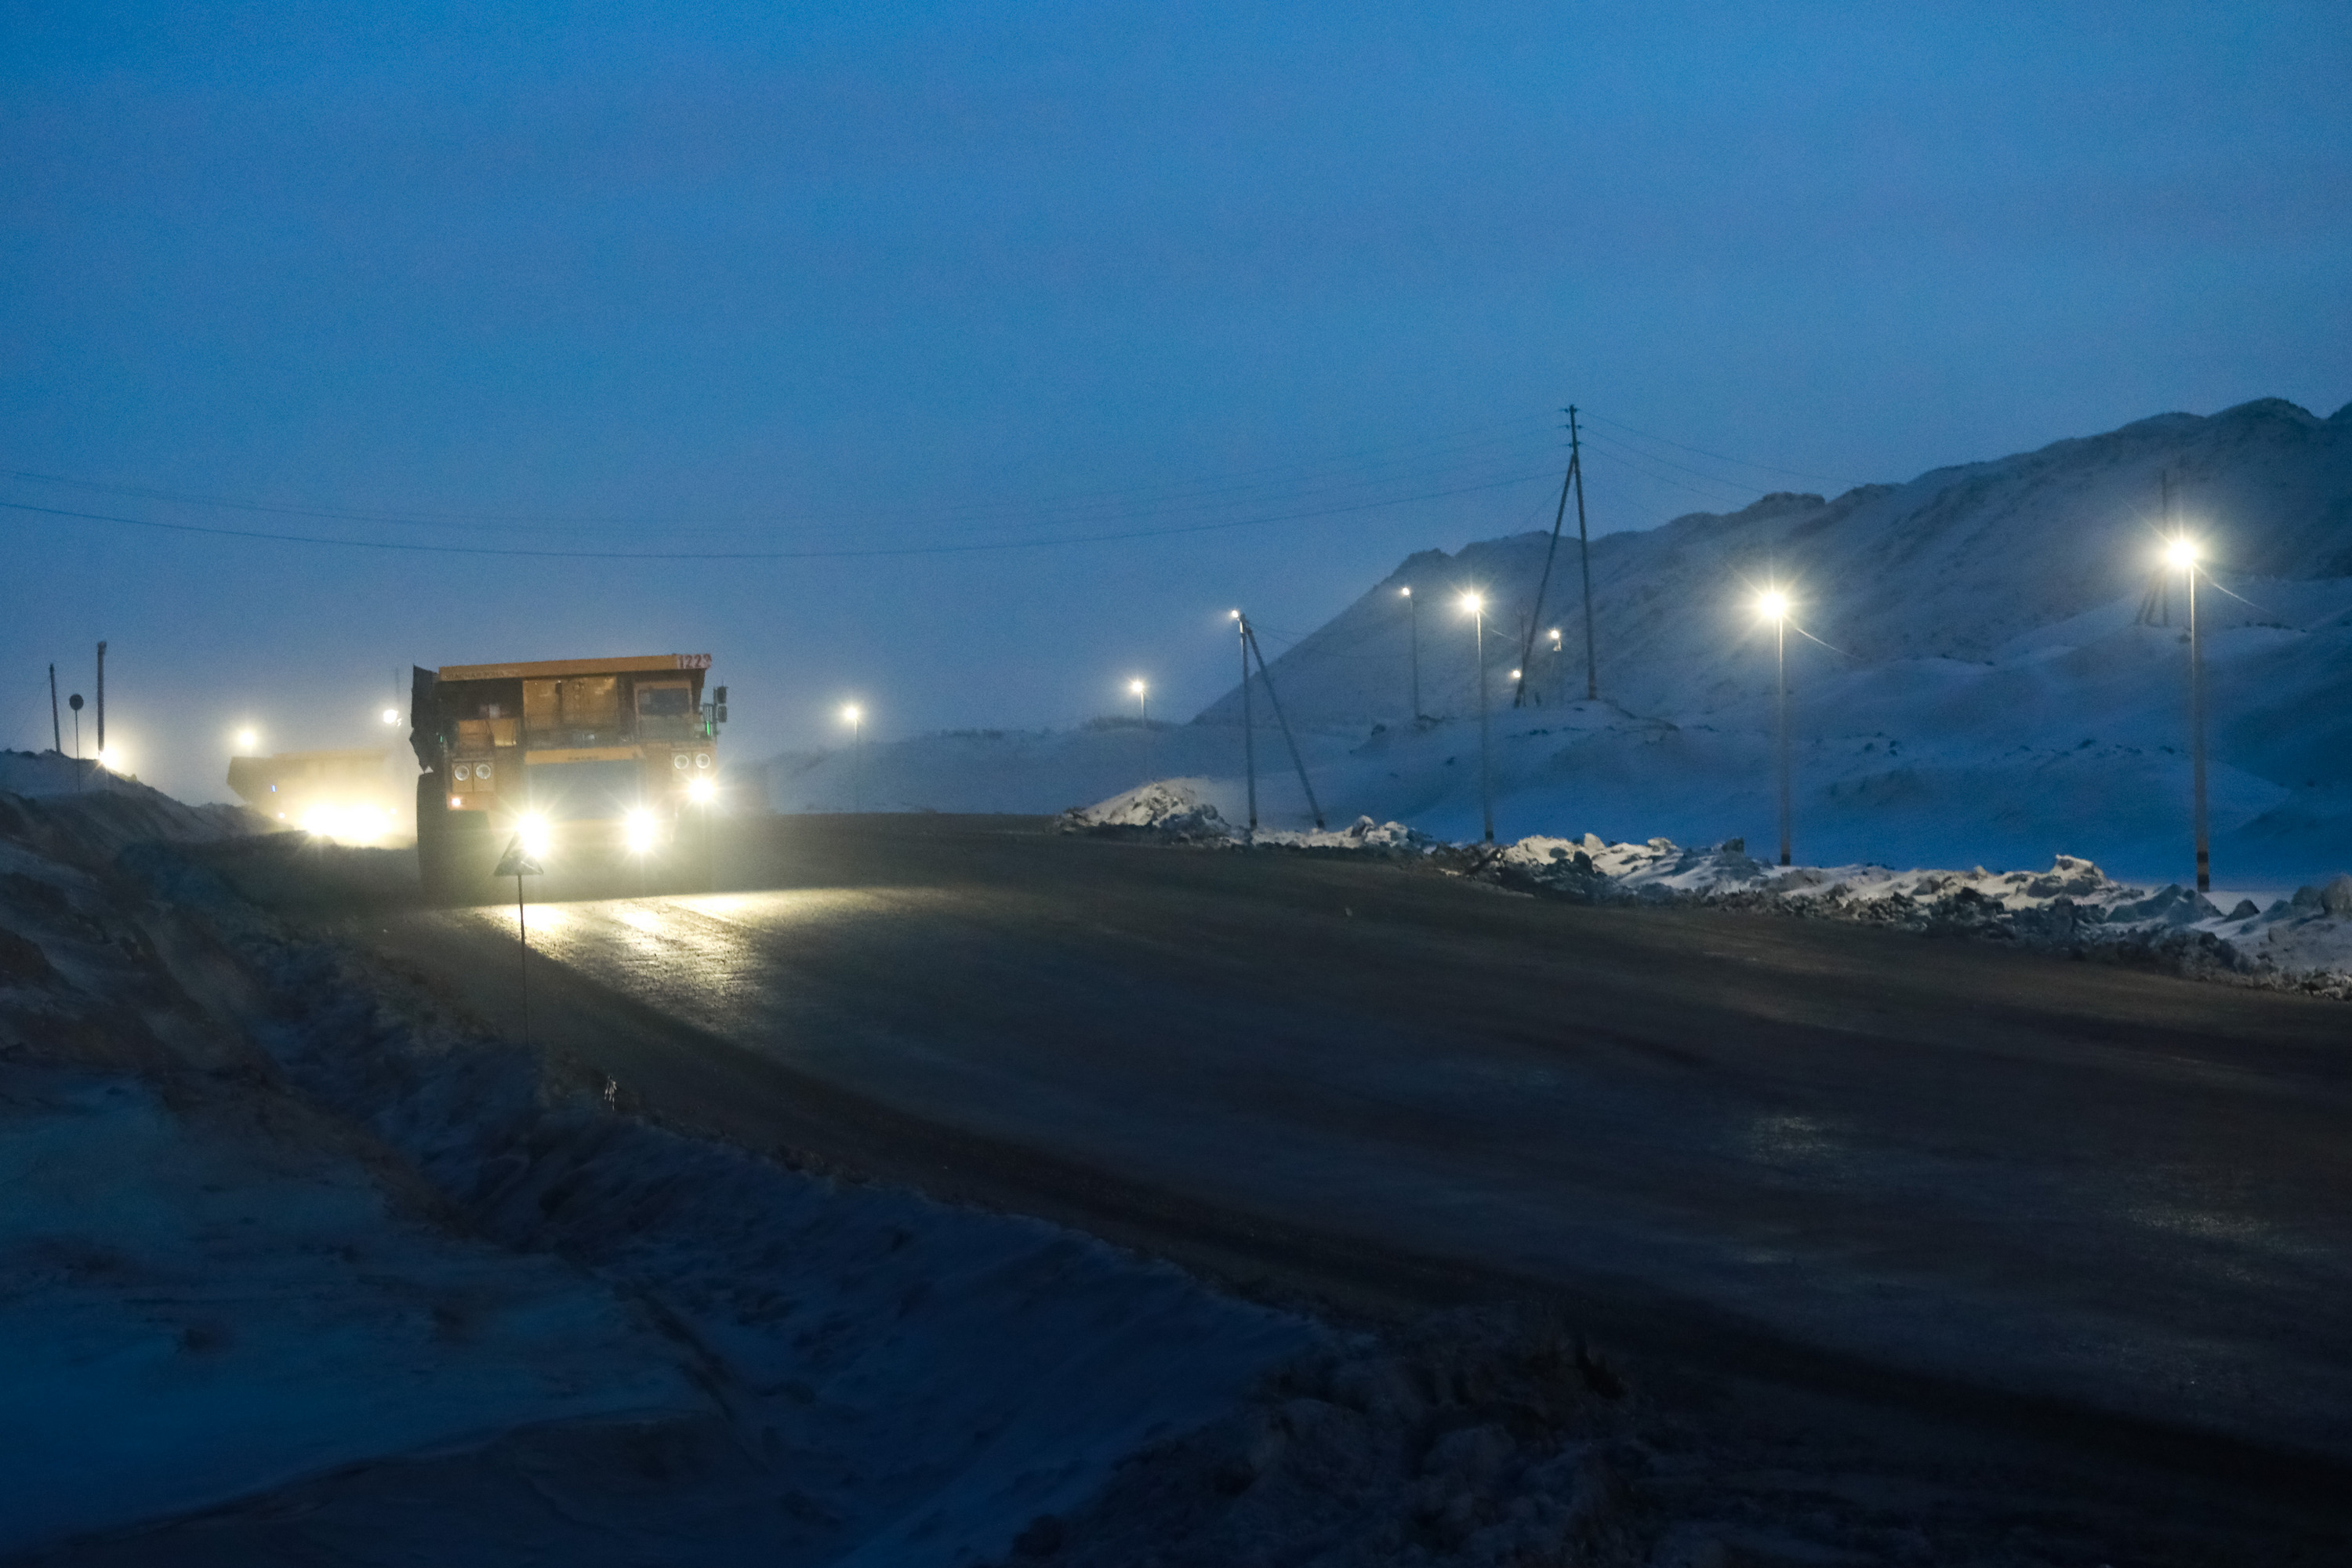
1476, 607
1413, 621
855, 717
1773, 605
1143, 716
2182, 555
1249, 722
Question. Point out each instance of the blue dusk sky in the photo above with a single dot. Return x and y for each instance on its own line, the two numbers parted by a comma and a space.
1224, 304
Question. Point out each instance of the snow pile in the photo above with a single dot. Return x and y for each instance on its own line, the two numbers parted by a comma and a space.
1174, 809
2304, 942
1474, 1439
1387, 840
1177, 811
76, 814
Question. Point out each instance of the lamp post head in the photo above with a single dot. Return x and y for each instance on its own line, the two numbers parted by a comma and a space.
2181, 553
1137, 687
1472, 603
1772, 605
851, 714
246, 740
391, 715
1406, 591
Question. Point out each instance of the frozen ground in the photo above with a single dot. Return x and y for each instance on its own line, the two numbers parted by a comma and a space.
295, 1269
1989, 693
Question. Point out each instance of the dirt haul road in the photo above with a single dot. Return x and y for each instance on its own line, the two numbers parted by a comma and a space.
2051, 1196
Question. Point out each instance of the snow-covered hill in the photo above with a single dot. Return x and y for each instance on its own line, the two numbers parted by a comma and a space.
1983, 690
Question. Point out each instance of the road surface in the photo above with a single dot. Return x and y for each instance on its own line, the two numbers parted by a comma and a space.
2085, 1193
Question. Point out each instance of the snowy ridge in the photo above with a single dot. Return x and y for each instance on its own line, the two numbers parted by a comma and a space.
2005, 675
2303, 942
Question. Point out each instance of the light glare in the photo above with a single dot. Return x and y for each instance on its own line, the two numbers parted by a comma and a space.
534, 836
1472, 603
700, 791
246, 740
1772, 605
391, 715
637, 831
850, 714
2181, 553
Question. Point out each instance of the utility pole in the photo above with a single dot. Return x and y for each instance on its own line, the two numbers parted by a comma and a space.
1249, 733
1274, 698
56, 734
1572, 479
101, 704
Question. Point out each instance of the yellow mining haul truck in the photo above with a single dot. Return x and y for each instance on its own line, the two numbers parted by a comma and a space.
590, 763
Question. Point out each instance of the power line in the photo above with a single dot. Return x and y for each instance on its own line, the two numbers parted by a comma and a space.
1613, 446
782, 554
1158, 496
1741, 462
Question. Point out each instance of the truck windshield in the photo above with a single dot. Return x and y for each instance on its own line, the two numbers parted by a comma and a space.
664, 701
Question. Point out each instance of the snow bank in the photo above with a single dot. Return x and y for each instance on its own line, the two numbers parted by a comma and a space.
206, 1290
1475, 1438
1174, 809
2303, 942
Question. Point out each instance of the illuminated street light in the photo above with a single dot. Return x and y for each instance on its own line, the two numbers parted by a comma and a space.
1474, 607
2180, 555
1773, 605
391, 715
246, 740
534, 835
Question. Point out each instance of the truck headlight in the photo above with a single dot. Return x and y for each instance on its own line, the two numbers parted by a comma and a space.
639, 831
700, 792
